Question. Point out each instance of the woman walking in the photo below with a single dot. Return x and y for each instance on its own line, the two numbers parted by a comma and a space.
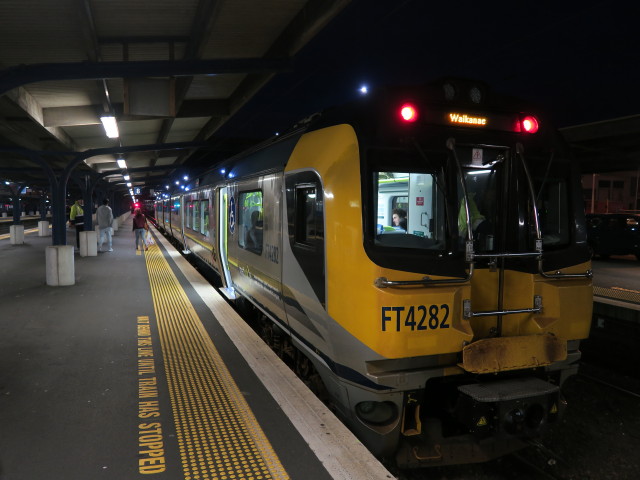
140, 227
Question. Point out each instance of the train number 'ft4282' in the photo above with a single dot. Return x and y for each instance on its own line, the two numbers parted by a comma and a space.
421, 317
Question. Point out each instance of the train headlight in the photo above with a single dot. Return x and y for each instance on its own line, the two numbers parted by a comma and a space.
377, 413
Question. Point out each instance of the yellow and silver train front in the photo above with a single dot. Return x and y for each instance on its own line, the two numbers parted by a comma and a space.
472, 284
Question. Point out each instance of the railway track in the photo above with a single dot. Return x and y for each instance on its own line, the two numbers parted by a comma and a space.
5, 224
622, 383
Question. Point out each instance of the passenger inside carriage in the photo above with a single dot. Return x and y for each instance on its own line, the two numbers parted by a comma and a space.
400, 218
253, 240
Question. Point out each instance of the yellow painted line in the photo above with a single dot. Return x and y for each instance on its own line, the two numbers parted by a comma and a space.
617, 293
4, 236
218, 436
625, 289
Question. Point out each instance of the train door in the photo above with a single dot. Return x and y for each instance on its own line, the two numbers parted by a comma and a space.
166, 218
303, 242
254, 249
483, 171
504, 227
226, 223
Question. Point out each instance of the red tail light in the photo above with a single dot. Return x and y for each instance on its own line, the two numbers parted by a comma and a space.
408, 112
529, 124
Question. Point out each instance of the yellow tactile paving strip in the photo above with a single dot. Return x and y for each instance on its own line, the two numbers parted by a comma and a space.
218, 435
618, 293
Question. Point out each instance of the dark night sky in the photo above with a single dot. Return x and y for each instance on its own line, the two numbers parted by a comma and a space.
579, 60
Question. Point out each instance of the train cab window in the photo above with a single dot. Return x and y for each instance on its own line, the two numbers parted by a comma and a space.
410, 210
250, 221
481, 186
204, 225
553, 211
195, 207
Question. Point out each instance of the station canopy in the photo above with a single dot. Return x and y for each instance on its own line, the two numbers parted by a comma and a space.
171, 73
607, 146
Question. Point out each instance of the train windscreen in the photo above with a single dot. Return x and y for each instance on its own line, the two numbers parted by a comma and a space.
410, 210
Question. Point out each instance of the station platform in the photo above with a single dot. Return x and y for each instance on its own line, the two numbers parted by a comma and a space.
142, 370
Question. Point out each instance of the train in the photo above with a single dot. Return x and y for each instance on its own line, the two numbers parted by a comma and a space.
440, 339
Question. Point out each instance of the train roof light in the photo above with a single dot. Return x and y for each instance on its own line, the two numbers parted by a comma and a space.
529, 124
408, 112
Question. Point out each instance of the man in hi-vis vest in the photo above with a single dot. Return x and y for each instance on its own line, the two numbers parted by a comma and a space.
76, 218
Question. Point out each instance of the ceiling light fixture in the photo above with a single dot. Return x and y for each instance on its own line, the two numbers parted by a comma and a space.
127, 177
122, 163
110, 126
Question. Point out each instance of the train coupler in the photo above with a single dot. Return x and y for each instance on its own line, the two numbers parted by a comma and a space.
520, 407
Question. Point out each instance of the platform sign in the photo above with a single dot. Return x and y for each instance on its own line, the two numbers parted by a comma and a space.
476, 157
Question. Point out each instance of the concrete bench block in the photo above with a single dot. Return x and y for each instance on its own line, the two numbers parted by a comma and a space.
16, 233
60, 266
88, 243
43, 228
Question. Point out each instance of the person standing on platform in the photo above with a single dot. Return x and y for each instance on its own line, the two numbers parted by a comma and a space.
140, 227
104, 217
76, 218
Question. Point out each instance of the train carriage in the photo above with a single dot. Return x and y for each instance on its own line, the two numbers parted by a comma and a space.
441, 338
199, 225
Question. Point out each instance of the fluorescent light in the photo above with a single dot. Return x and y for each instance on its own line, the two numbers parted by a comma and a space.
128, 184
110, 126
127, 177
122, 163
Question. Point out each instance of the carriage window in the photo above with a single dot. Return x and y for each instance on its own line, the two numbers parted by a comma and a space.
204, 208
250, 221
306, 228
410, 210
187, 214
195, 211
